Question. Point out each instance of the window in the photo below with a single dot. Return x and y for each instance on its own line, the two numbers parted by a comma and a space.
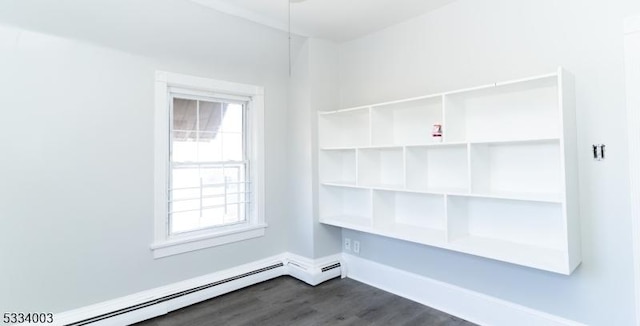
208, 180
208, 163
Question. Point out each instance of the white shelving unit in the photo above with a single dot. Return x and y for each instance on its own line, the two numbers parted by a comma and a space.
346, 206
502, 184
381, 167
438, 169
405, 122
350, 128
339, 166
528, 170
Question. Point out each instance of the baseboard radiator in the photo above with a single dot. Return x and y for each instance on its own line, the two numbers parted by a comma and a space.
314, 274
330, 267
170, 297
308, 271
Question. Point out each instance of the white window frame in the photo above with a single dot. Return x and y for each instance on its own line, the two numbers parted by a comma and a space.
166, 244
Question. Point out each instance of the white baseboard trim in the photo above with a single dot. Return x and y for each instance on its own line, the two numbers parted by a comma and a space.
304, 269
472, 306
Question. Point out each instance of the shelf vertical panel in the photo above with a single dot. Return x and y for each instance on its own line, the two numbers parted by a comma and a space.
569, 157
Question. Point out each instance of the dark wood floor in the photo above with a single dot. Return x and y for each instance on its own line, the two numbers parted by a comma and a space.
288, 301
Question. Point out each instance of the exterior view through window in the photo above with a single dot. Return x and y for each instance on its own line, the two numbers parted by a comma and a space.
208, 184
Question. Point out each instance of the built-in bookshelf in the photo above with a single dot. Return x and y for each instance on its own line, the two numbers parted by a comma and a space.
502, 182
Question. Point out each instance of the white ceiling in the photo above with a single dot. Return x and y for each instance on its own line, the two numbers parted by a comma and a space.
336, 20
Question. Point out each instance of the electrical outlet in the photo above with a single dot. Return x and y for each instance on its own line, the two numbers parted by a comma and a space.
356, 247
347, 244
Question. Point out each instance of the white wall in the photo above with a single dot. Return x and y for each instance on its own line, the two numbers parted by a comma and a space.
323, 68
472, 43
632, 81
299, 153
313, 84
76, 137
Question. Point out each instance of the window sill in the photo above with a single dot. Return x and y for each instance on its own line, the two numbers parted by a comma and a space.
184, 244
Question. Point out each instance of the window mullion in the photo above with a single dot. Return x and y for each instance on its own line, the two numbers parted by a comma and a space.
198, 154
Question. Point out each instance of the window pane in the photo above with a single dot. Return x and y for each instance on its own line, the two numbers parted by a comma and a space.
232, 214
183, 222
233, 147
184, 136
210, 147
214, 201
185, 194
234, 176
213, 177
210, 140
233, 116
210, 117
184, 147
212, 191
213, 217
218, 198
204, 133
185, 205
185, 178
184, 114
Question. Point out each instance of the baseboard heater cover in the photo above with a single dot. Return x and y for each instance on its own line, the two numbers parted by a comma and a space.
171, 296
330, 267
312, 272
